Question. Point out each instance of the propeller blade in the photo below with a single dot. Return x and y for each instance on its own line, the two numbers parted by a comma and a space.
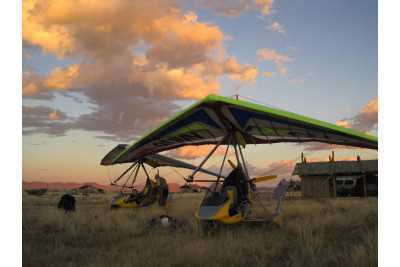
263, 178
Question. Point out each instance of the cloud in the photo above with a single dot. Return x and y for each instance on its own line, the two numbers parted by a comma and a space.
276, 27
37, 86
343, 123
41, 112
278, 58
30, 89
315, 146
280, 168
120, 120
44, 120
267, 74
62, 78
54, 116
194, 152
106, 29
365, 121
244, 73
32, 86
264, 6
143, 97
271, 54
80, 27
127, 53
176, 45
135, 78
235, 8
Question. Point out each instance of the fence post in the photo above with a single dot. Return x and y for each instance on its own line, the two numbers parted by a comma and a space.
332, 169
364, 176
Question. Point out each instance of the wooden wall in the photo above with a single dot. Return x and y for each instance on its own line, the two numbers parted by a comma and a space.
317, 186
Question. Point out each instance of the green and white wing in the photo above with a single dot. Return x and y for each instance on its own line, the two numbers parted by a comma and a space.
211, 119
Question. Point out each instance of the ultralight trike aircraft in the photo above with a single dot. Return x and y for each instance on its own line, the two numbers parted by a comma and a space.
235, 123
154, 189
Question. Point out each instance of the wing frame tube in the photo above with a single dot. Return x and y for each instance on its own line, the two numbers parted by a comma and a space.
244, 163
191, 177
222, 166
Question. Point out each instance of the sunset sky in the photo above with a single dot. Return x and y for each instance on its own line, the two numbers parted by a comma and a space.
100, 73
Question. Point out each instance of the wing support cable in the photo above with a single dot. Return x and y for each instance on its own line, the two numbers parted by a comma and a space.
222, 165
190, 177
129, 177
145, 171
237, 155
244, 163
135, 176
239, 164
123, 174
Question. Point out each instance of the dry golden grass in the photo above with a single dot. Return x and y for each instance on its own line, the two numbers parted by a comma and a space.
340, 232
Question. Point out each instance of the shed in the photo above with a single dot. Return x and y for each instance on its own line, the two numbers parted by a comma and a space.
338, 178
192, 188
88, 189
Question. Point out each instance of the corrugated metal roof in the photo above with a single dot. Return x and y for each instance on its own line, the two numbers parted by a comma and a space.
337, 167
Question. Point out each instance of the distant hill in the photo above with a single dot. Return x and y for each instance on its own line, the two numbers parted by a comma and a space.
60, 186
63, 185
173, 187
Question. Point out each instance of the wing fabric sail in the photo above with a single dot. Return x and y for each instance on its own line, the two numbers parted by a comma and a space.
211, 119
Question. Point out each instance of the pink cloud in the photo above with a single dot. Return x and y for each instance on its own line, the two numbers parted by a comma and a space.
276, 57
194, 152
366, 121
276, 27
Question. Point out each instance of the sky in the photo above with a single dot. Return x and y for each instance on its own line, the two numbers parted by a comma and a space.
100, 73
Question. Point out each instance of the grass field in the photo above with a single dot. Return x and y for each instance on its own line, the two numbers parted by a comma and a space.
340, 232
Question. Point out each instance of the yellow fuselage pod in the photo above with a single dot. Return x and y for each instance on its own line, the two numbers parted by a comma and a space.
122, 202
125, 201
220, 213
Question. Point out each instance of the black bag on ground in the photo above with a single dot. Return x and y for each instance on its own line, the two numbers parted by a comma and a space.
67, 202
